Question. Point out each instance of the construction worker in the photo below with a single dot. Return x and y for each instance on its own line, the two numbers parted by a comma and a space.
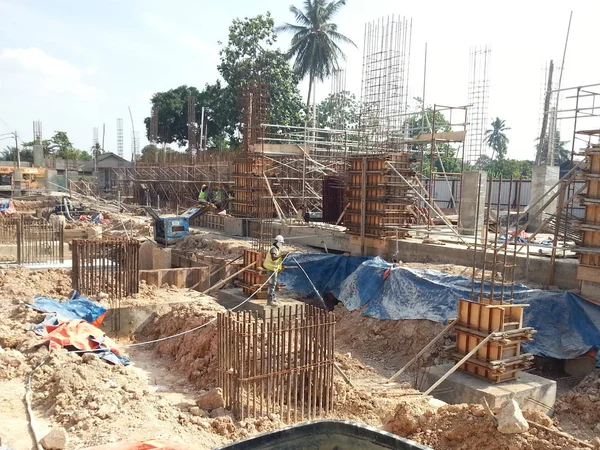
203, 194
273, 263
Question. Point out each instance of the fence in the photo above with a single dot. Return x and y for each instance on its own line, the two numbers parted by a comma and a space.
106, 265
447, 194
281, 363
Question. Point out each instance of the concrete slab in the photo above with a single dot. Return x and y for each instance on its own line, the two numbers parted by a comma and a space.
232, 298
530, 391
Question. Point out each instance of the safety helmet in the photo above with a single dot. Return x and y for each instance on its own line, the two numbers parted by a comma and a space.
279, 239
203, 185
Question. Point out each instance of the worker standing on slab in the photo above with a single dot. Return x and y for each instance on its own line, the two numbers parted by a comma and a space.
273, 263
203, 194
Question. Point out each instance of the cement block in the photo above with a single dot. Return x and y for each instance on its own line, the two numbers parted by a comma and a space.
233, 226
529, 391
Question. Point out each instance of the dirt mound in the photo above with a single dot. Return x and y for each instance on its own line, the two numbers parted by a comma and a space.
23, 284
390, 342
194, 354
582, 403
467, 427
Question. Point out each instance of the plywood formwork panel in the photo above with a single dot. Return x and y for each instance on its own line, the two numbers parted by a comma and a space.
589, 270
379, 200
500, 358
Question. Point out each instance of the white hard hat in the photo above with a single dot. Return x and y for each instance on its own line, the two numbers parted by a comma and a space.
279, 238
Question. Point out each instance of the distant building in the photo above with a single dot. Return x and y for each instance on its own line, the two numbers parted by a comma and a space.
106, 176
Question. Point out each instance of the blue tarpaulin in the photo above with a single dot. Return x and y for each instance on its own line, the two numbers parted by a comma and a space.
327, 272
78, 307
568, 326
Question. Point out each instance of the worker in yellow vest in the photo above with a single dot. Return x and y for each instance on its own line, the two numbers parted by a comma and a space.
273, 263
203, 194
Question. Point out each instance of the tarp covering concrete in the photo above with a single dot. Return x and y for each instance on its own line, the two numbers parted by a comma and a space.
327, 272
568, 326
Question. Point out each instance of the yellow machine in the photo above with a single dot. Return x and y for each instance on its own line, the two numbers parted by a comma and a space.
30, 178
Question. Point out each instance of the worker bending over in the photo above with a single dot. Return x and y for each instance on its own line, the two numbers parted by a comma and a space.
273, 263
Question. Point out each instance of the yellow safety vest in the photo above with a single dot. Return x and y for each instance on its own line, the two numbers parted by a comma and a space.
202, 195
270, 264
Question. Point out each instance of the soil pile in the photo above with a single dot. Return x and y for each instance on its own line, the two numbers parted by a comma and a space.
467, 427
23, 284
582, 403
390, 342
194, 354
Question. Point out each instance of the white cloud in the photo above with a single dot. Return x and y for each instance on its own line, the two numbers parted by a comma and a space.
32, 68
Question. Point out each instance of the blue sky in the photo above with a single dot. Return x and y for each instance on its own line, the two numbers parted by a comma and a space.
76, 64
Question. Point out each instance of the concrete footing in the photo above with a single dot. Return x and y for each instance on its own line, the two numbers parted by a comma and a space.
230, 298
530, 391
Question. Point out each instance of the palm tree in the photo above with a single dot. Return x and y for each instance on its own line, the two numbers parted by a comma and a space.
315, 41
496, 139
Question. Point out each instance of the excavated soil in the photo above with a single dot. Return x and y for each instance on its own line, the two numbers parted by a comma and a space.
194, 354
387, 344
581, 405
24, 284
467, 427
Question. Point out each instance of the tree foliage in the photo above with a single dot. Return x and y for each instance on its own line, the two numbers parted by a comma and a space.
496, 139
339, 111
505, 168
10, 153
247, 58
316, 42
60, 146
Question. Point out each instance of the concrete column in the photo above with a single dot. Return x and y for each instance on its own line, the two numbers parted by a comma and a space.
473, 193
542, 179
38, 156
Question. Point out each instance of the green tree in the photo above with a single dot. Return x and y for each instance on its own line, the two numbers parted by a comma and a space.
249, 58
9, 154
339, 111
316, 41
496, 138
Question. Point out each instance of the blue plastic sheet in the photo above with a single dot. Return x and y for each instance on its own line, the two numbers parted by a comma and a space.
327, 272
568, 326
78, 307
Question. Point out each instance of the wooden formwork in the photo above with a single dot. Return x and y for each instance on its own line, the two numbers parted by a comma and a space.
106, 265
249, 188
280, 364
255, 277
379, 199
500, 359
588, 272
211, 221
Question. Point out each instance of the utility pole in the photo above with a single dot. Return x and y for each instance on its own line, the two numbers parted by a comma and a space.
18, 156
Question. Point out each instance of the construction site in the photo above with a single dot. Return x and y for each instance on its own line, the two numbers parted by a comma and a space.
417, 308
